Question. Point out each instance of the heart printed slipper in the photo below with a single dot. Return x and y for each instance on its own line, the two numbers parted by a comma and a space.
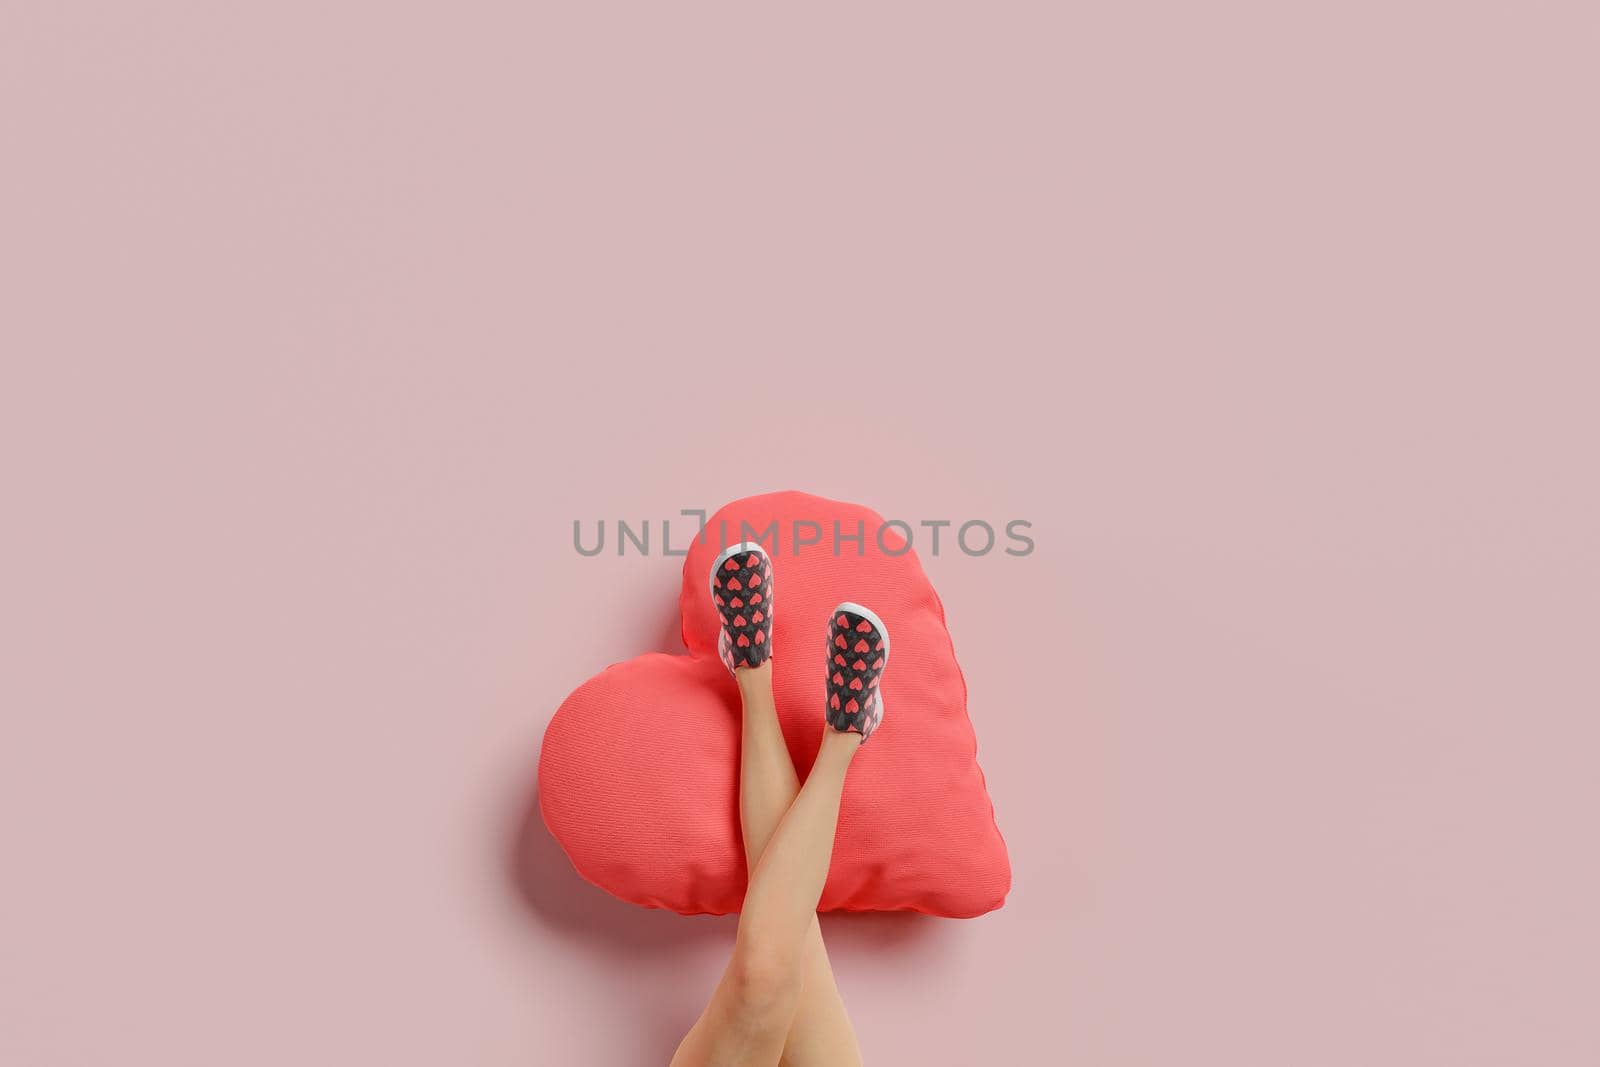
858, 650
741, 591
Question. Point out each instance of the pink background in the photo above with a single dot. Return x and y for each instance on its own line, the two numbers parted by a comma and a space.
322, 322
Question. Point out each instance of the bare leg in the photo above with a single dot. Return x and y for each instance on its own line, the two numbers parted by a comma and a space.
780, 905
779, 980
821, 1034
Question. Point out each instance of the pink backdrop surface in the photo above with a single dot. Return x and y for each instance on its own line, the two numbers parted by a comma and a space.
321, 323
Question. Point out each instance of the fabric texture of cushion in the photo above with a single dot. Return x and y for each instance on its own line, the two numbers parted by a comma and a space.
639, 773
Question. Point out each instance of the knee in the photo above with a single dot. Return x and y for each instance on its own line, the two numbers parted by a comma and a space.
763, 982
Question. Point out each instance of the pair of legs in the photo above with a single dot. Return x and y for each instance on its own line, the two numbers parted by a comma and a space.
777, 1001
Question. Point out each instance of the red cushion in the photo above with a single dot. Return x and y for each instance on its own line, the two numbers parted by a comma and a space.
638, 778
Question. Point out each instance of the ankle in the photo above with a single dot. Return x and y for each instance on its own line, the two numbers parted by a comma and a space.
839, 745
756, 679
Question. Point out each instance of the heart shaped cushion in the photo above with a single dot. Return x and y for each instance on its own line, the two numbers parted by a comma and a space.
638, 777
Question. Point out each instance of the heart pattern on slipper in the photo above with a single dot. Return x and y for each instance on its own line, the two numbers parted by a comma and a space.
741, 591
857, 652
